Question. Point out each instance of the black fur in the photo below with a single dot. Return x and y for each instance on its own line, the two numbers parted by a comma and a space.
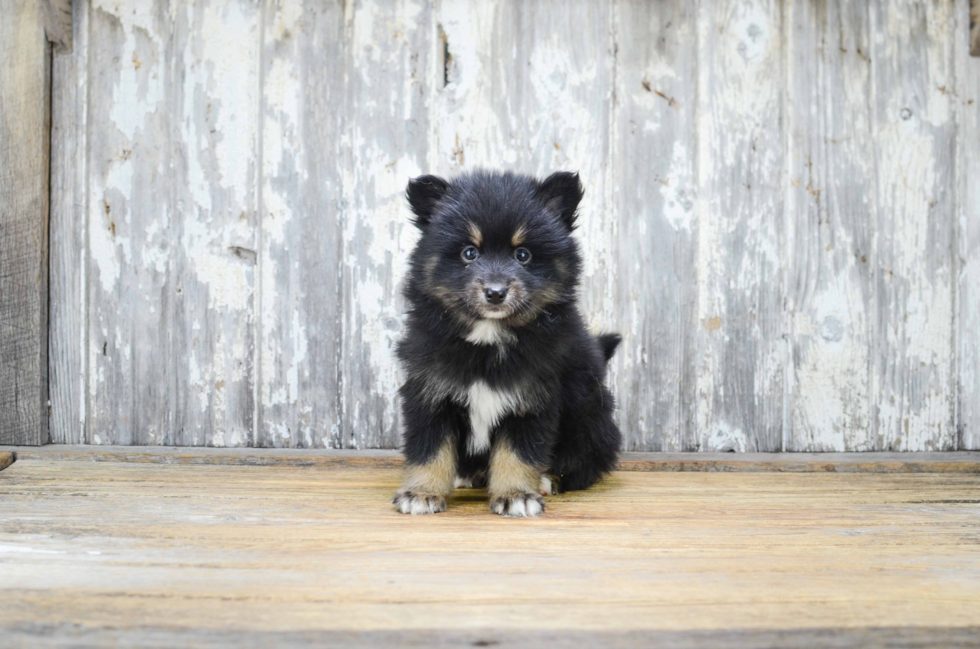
564, 422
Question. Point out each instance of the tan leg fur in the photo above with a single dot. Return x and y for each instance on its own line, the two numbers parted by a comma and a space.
425, 487
513, 484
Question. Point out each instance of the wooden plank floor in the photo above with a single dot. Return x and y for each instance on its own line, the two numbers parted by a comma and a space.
157, 554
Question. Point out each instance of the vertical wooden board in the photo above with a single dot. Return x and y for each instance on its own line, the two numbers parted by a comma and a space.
528, 86
967, 100
830, 210
214, 103
913, 387
301, 250
24, 139
67, 288
389, 44
653, 184
973, 20
130, 212
741, 181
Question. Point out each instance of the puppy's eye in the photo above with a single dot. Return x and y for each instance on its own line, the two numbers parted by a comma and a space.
522, 255
470, 254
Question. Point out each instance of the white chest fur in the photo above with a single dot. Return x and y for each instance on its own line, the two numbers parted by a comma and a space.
487, 407
489, 332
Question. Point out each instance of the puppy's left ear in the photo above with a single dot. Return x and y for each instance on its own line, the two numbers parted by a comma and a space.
423, 194
561, 193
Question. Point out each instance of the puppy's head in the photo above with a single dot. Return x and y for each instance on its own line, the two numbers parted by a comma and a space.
496, 246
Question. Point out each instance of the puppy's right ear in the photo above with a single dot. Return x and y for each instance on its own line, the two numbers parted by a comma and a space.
423, 194
562, 191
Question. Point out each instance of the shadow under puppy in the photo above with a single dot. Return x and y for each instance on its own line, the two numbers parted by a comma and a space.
505, 385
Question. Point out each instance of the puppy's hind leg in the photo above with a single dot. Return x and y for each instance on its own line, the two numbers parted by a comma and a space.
472, 480
549, 485
589, 440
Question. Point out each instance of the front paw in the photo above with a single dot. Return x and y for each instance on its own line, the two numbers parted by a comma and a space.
415, 503
518, 505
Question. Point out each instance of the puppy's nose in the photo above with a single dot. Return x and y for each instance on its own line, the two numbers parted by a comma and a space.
495, 294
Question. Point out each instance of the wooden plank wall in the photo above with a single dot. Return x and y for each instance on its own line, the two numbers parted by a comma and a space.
781, 211
25, 84
967, 233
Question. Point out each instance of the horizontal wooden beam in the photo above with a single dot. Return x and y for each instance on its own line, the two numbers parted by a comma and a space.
843, 637
948, 462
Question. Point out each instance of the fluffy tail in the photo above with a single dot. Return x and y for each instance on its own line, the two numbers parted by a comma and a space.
609, 343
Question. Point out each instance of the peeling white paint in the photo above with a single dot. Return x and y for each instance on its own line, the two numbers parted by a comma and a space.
679, 200
176, 202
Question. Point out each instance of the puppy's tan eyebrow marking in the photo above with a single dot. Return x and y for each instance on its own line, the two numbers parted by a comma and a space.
518, 237
475, 235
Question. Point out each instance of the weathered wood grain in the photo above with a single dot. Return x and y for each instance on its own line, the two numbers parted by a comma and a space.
829, 212
868, 462
967, 101
214, 112
68, 288
25, 67
653, 179
389, 54
974, 22
132, 216
230, 235
839, 637
57, 16
741, 231
913, 389
173, 151
279, 549
303, 203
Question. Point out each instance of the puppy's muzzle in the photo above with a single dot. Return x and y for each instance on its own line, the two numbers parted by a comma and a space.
495, 294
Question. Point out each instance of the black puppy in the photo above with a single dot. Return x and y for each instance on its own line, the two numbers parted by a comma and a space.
505, 385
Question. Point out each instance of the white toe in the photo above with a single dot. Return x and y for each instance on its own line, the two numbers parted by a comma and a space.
533, 507
517, 507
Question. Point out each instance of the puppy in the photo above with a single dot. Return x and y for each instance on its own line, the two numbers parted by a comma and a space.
504, 384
